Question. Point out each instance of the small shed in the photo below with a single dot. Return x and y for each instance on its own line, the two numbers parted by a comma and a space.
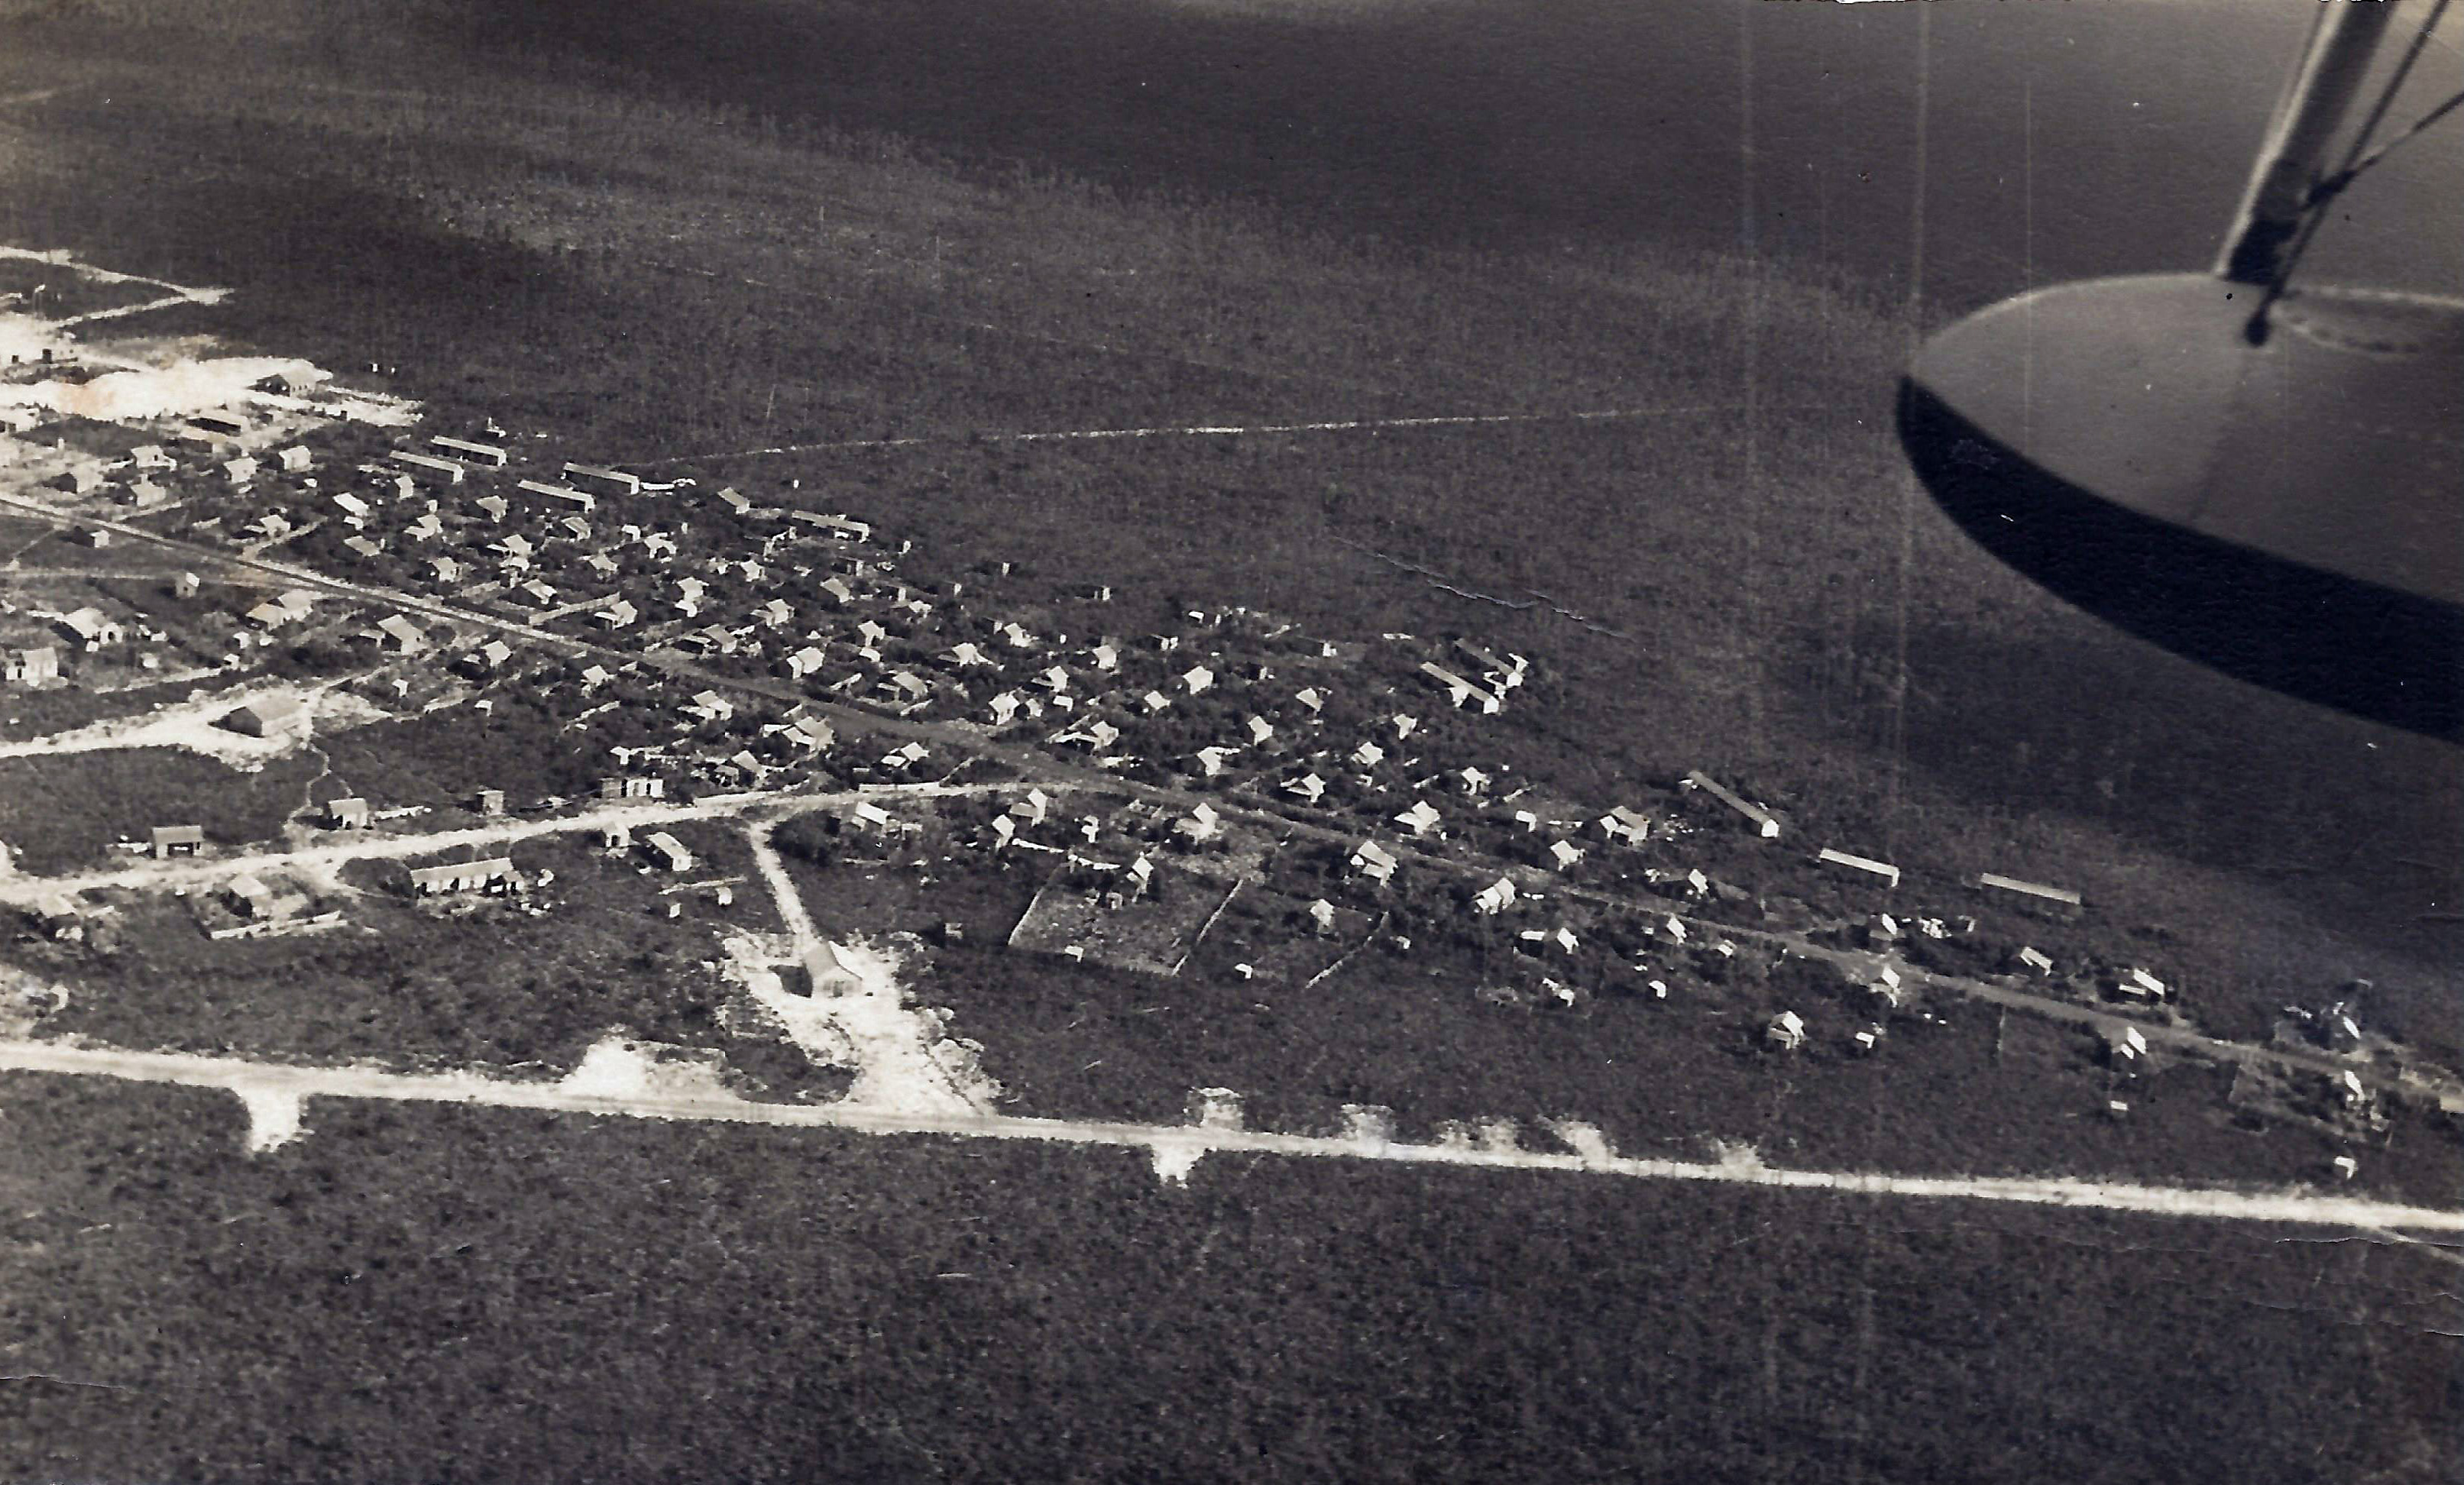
1786, 1031
1374, 861
263, 716
169, 840
668, 851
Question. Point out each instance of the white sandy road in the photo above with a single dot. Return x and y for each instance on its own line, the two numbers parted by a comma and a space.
856, 999
277, 1092
361, 845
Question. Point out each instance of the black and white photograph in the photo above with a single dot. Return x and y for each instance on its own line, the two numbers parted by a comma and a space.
1145, 742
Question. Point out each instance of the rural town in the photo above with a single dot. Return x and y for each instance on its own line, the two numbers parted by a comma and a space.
628, 732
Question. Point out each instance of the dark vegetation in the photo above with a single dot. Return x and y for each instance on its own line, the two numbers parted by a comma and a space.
62, 812
1666, 1077
422, 1293
444, 984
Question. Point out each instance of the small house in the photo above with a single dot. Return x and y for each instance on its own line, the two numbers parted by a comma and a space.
1624, 826
904, 689
1786, 1031
250, 897
30, 666
2135, 984
1420, 818
264, 716
399, 634
92, 628
1308, 787
169, 841
1494, 898
350, 813
1373, 861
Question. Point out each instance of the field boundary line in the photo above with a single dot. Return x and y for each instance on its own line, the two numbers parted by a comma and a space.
1199, 430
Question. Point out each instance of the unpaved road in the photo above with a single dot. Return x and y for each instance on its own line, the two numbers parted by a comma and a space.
368, 845
857, 994
276, 1087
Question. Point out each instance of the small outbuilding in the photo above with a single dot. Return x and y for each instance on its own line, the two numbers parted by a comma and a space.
264, 716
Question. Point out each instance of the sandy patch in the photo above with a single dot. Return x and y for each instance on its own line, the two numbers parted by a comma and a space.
904, 1061
274, 1116
619, 1068
195, 725
169, 391
751, 961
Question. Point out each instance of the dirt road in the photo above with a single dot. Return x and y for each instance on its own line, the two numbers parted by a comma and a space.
279, 1092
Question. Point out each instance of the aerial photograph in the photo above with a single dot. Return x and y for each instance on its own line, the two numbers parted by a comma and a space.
1231, 740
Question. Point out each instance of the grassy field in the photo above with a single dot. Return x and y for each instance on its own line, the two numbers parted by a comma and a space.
417, 1293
